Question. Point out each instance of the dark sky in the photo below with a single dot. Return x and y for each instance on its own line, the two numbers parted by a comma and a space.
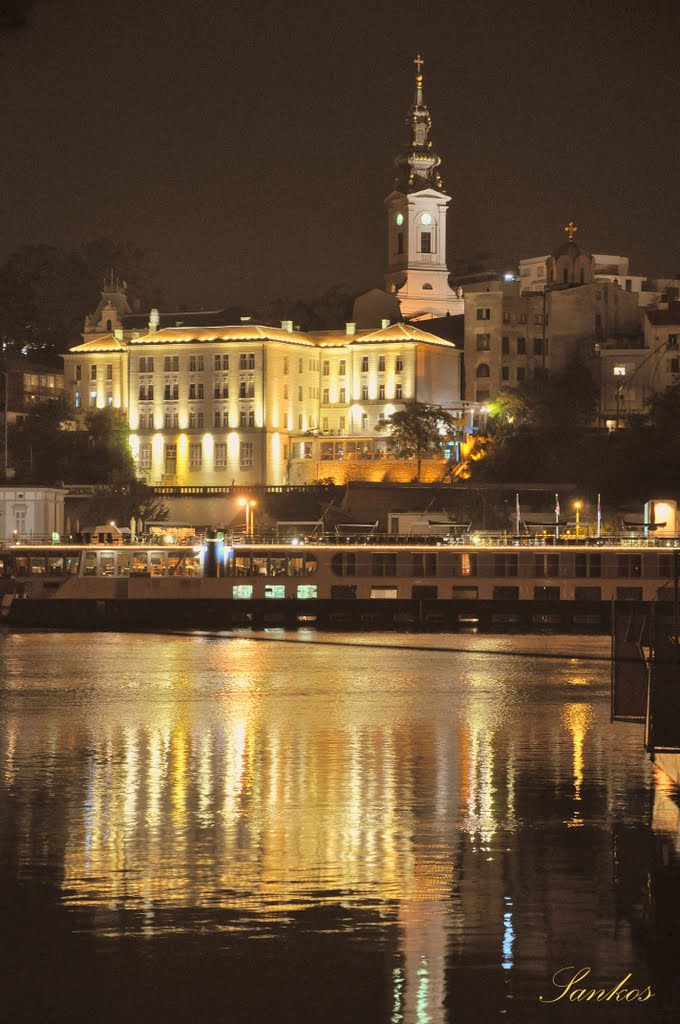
250, 146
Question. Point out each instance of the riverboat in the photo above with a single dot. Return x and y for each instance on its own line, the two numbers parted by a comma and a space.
488, 582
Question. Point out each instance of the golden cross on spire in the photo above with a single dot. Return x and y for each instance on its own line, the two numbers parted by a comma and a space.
418, 61
571, 229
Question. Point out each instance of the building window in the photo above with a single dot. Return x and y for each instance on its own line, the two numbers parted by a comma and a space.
109, 371
364, 392
523, 318
325, 399
484, 313
79, 372
145, 456
381, 391
341, 424
505, 346
243, 361
195, 456
343, 368
77, 400
364, 421
217, 361
170, 458
343, 395
218, 418
505, 373
192, 364
300, 365
200, 420
506, 317
400, 242
285, 364
364, 364
521, 374
192, 392
220, 456
251, 418
245, 454
619, 371
300, 422
93, 372
398, 391
425, 241
399, 365
149, 364
483, 342
538, 346
192, 421
483, 370
521, 346
326, 367
142, 392
381, 364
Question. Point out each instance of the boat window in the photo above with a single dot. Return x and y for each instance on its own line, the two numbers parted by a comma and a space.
424, 564
157, 563
71, 564
240, 565
90, 568
192, 565
465, 564
303, 565
276, 590
21, 564
505, 565
107, 563
384, 563
344, 563
259, 565
242, 591
140, 564
629, 565
546, 565
505, 593
175, 564
38, 566
629, 593
465, 593
305, 591
588, 593
278, 564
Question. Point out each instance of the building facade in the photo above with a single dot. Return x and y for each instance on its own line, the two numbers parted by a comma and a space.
251, 405
417, 271
31, 512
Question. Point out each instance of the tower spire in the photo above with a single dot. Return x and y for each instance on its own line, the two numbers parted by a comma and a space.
417, 164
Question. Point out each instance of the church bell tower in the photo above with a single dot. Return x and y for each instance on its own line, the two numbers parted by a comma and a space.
416, 222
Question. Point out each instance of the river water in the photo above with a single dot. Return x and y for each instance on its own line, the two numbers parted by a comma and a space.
298, 827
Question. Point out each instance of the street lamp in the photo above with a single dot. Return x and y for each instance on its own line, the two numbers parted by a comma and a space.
249, 505
578, 505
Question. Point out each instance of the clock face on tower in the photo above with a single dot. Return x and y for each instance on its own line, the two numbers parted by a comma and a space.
399, 219
426, 218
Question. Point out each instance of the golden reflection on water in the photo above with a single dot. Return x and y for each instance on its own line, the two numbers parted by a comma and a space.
247, 779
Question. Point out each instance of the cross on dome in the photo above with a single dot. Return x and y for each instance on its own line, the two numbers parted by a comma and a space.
571, 230
418, 61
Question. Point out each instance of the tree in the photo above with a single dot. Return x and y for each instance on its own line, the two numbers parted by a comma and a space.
47, 446
419, 430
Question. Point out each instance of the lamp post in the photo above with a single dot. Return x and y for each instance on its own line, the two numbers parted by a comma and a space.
578, 505
249, 505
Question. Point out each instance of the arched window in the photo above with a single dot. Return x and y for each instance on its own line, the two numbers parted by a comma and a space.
582, 276
427, 287
483, 370
109, 326
565, 276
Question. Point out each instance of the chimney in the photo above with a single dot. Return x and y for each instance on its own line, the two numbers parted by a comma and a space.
154, 320
351, 329
287, 325
385, 323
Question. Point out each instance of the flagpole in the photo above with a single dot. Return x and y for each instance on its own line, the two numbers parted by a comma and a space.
557, 517
517, 515
599, 516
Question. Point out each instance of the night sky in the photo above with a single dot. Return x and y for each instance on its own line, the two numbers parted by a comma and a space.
249, 147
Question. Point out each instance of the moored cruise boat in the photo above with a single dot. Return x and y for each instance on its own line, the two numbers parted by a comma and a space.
490, 582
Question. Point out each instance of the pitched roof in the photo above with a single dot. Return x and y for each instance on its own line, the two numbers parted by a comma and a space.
236, 333
393, 333
103, 343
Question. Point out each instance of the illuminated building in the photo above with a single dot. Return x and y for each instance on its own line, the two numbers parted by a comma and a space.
416, 210
248, 404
